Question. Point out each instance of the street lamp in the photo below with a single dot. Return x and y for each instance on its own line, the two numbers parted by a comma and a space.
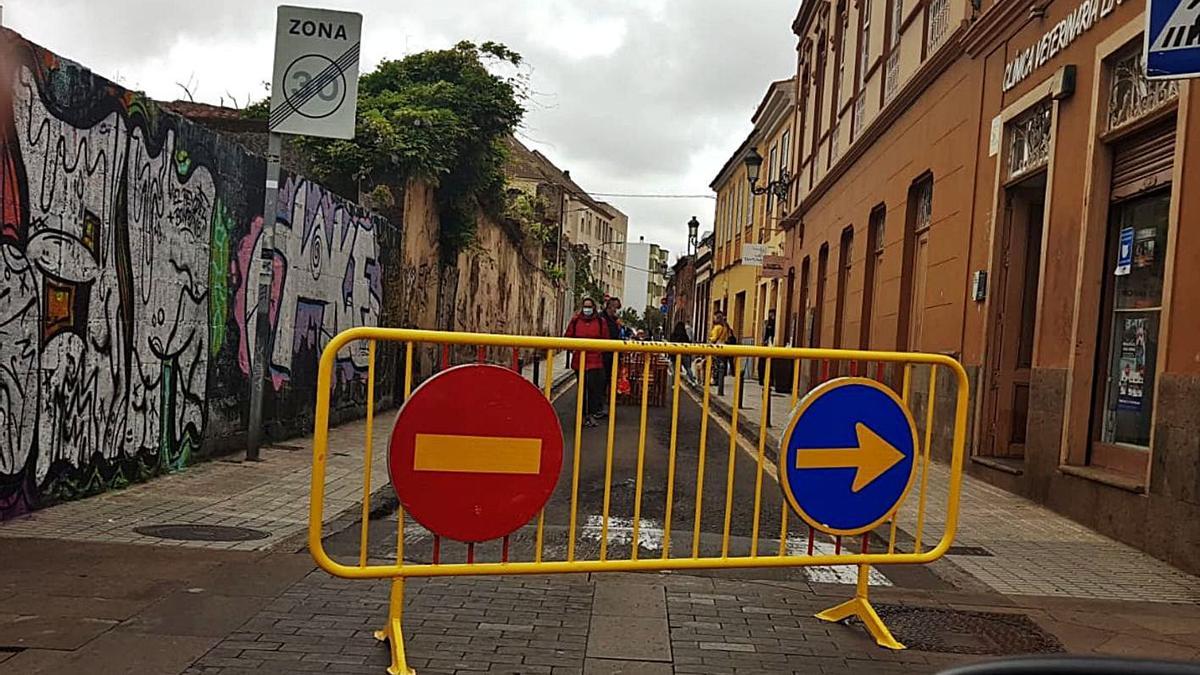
779, 188
693, 232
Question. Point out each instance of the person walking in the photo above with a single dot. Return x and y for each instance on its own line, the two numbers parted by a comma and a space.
680, 335
721, 334
768, 340
612, 320
587, 324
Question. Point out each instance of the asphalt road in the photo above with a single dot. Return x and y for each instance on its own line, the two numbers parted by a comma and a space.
590, 511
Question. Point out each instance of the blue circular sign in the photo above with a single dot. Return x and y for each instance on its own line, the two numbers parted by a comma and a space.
849, 456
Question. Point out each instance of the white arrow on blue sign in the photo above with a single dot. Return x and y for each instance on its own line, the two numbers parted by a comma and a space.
1173, 39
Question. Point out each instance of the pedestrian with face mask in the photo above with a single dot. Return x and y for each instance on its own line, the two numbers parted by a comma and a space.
588, 324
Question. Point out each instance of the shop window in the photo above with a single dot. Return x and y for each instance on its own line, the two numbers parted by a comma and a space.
1132, 307
1130, 95
1029, 141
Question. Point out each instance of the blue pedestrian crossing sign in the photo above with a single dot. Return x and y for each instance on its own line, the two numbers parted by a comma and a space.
1173, 38
849, 456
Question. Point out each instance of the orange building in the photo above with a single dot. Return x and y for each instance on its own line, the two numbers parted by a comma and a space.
1003, 184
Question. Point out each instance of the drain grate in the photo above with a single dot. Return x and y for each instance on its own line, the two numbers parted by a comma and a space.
201, 532
950, 631
976, 551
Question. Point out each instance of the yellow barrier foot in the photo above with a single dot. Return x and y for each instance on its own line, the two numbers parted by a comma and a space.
860, 606
393, 634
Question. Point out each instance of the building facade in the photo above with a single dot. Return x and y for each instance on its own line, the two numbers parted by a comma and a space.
742, 217
702, 306
1005, 186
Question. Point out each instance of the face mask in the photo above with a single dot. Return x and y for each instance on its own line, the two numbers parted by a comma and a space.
588, 311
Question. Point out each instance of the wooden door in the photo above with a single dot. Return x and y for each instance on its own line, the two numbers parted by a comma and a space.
1015, 317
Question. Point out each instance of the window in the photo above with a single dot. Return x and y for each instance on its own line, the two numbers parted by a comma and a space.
872, 276
785, 149
845, 262
1029, 141
1130, 95
772, 173
897, 19
916, 254
864, 58
1133, 304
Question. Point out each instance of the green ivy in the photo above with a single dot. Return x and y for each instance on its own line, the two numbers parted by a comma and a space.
440, 116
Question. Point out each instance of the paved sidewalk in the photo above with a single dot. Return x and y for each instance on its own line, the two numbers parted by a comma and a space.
270, 496
1027, 549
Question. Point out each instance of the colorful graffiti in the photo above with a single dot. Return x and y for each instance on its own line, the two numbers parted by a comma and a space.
126, 236
327, 278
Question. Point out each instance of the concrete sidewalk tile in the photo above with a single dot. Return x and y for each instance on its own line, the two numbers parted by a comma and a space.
50, 632
620, 667
619, 637
200, 614
632, 600
123, 653
35, 662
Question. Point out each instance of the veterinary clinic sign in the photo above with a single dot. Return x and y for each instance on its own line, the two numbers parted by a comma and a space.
1056, 39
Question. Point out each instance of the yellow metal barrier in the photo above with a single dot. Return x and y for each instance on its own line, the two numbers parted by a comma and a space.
901, 367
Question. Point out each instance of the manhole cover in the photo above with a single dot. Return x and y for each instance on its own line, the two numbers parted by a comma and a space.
201, 532
978, 551
961, 632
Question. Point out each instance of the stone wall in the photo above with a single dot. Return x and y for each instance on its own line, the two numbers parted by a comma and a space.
129, 255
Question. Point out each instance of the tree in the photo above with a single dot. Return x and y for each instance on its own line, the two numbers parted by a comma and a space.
630, 318
652, 322
440, 116
585, 282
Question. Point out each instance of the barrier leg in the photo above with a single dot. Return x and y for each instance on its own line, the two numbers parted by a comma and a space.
860, 606
393, 634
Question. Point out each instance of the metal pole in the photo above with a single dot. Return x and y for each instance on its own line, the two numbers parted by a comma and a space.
266, 279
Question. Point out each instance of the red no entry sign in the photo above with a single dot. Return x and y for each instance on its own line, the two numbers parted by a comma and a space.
475, 453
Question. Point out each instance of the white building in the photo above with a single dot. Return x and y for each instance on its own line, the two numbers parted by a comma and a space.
645, 275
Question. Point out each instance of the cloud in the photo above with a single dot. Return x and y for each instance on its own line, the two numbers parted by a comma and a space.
638, 96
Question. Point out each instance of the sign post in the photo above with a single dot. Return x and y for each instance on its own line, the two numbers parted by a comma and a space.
849, 457
314, 92
1172, 41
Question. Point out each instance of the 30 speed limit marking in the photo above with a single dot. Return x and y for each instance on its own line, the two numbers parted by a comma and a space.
315, 85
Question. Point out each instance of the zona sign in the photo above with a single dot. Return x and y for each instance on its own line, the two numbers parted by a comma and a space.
475, 453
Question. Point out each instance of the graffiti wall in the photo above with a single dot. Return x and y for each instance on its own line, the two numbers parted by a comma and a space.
128, 285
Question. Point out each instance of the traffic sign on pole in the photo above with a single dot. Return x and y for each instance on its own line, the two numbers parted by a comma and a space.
1172, 39
475, 453
849, 456
314, 91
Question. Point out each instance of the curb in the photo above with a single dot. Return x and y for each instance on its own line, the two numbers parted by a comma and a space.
748, 429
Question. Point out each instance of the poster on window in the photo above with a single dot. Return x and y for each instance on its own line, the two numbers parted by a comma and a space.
1143, 247
1124, 252
1132, 364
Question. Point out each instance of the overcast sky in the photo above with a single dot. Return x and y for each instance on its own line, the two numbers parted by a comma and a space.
631, 96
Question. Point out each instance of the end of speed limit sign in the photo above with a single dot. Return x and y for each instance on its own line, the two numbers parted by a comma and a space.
314, 90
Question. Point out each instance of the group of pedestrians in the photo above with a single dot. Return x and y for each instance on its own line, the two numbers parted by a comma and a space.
592, 322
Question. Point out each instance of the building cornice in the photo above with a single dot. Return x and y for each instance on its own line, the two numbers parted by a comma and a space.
1001, 20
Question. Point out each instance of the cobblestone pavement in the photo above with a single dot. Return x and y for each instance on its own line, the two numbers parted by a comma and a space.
644, 624
1027, 549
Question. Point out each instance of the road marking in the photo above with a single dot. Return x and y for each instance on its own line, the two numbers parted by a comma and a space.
477, 454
